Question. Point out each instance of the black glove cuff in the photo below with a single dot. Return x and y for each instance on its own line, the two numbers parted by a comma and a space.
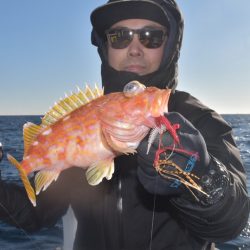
214, 183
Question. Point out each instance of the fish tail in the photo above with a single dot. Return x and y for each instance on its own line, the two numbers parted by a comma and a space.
24, 178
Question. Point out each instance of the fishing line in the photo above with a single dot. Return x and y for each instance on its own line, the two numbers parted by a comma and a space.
172, 152
153, 215
155, 196
18, 225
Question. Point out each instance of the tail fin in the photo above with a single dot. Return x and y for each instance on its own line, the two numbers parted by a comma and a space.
24, 178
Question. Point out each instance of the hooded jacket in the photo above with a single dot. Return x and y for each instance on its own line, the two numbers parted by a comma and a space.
120, 213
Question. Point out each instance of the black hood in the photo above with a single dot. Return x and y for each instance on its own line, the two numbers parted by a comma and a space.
165, 12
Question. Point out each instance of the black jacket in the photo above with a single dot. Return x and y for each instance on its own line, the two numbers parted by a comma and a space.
117, 214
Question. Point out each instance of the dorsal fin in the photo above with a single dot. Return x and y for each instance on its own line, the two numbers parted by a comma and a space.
70, 103
30, 132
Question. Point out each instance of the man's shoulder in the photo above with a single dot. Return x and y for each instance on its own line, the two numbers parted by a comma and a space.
200, 115
182, 102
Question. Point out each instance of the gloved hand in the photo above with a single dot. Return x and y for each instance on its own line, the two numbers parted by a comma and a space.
190, 156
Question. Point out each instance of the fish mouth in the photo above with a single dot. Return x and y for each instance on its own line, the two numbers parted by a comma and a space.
164, 101
158, 106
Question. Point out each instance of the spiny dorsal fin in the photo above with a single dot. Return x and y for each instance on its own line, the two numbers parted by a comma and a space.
30, 132
70, 103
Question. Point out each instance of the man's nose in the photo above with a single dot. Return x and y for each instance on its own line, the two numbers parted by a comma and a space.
135, 47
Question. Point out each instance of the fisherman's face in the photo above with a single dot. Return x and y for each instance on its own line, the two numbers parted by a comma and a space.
136, 57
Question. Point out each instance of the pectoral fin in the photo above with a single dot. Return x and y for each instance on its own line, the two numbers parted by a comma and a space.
99, 170
44, 178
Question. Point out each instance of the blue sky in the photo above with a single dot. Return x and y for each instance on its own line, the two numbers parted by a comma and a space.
45, 51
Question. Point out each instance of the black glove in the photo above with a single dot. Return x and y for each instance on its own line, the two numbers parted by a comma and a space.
187, 162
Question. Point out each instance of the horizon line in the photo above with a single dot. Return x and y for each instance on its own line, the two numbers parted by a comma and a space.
44, 114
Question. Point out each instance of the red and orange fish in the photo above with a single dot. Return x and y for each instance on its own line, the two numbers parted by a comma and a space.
88, 130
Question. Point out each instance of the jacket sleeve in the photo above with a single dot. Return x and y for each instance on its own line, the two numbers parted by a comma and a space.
17, 210
223, 220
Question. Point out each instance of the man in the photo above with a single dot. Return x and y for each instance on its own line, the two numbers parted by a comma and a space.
138, 208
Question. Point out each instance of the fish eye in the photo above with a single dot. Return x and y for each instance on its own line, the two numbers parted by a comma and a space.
133, 88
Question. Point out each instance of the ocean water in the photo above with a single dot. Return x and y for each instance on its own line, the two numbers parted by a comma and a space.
52, 239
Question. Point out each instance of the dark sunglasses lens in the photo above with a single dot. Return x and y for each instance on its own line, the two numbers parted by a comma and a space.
152, 38
119, 39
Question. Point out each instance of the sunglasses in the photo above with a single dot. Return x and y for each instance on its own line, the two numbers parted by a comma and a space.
120, 38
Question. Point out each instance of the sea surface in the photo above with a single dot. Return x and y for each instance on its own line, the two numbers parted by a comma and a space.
12, 238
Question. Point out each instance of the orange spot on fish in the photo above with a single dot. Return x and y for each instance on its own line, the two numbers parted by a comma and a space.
61, 156
46, 161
